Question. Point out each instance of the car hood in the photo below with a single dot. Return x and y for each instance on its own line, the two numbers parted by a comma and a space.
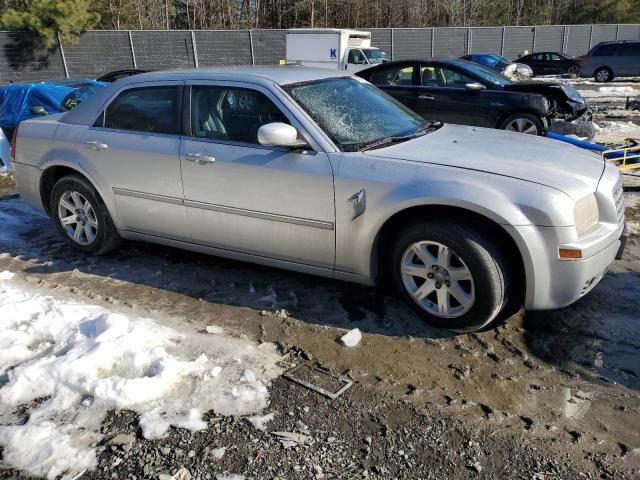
553, 163
569, 91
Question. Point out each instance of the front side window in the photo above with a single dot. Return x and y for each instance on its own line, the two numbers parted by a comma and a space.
486, 74
352, 112
232, 114
436, 76
357, 57
145, 109
394, 75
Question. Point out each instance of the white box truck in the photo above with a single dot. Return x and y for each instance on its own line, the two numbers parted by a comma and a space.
333, 48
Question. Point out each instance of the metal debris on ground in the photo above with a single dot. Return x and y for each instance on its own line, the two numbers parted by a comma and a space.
632, 104
325, 383
292, 439
182, 474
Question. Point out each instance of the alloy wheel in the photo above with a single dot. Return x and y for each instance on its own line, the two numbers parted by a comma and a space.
602, 75
522, 125
77, 217
437, 279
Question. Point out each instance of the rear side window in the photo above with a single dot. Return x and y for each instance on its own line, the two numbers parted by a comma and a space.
396, 75
146, 109
605, 50
630, 49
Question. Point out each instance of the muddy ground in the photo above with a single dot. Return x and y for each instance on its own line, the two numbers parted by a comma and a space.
552, 395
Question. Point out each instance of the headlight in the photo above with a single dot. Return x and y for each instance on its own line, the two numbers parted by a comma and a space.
586, 213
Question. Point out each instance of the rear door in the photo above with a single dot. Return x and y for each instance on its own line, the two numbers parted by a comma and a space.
606, 55
398, 80
244, 197
555, 64
134, 147
535, 61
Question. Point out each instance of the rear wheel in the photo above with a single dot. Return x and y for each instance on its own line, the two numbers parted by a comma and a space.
603, 74
523, 123
81, 217
574, 69
451, 274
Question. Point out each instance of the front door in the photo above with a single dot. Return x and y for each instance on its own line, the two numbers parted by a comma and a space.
442, 96
134, 147
245, 197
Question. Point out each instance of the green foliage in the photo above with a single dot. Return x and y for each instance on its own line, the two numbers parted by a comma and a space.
45, 18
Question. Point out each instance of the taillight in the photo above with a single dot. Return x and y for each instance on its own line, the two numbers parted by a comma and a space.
12, 146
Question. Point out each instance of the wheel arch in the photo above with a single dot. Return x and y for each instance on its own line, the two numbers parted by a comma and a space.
529, 111
54, 172
386, 234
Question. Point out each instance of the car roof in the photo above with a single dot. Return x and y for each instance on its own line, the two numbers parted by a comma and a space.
618, 41
84, 113
280, 75
445, 61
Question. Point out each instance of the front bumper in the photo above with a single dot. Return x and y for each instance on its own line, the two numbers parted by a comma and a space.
552, 282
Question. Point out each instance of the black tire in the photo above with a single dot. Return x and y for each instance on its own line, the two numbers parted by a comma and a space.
487, 265
574, 70
603, 75
106, 235
526, 119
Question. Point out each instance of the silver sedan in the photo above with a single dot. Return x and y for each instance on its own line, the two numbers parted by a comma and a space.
319, 172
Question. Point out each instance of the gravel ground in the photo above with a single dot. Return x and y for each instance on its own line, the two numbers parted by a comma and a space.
552, 395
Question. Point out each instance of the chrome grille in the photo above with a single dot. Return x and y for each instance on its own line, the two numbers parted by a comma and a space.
618, 196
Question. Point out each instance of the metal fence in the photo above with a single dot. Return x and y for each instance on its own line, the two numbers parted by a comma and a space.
98, 52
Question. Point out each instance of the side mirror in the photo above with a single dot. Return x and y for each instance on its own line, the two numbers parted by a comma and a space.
278, 134
474, 87
37, 110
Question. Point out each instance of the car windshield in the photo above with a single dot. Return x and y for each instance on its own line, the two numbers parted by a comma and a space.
486, 74
355, 114
374, 55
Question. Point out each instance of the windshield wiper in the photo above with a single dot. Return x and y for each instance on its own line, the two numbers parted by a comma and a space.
385, 141
427, 127
423, 129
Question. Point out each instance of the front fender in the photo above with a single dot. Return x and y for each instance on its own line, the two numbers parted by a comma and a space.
502, 200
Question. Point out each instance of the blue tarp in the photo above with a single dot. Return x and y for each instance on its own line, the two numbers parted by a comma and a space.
16, 99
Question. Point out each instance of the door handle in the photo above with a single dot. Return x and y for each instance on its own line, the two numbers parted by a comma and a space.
199, 158
96, 145
426, 97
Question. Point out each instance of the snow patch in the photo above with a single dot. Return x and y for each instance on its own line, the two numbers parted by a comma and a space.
351, 338
616, 89
214, 329
85, 360
260, 421
607, 131
6, 275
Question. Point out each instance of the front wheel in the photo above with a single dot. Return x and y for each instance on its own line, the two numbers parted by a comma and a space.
451, 274
523, 123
